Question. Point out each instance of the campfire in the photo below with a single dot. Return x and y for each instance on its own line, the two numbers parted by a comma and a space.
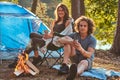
24, 66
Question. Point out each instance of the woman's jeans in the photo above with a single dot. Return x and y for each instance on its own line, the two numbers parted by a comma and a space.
35, 43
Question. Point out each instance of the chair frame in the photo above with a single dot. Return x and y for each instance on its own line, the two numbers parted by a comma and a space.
49, 52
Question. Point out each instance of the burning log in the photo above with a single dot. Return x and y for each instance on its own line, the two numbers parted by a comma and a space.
25, 66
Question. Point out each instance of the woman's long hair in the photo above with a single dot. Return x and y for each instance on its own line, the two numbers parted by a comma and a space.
65, 9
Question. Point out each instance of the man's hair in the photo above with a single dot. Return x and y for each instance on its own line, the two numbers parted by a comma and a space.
88, 20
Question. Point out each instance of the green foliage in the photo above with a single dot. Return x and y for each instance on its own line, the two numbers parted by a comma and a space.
50, 6
25, 3
13, 1
68, 4
41, 13
104, 14
49, 1
45, 10
4, 0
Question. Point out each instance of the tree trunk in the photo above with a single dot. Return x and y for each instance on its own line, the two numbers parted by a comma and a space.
34, 6
78, 8
82, 8
116, 42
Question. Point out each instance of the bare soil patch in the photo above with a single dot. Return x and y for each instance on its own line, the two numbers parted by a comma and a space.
103, 59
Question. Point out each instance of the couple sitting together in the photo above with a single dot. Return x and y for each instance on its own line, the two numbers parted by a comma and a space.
79, 46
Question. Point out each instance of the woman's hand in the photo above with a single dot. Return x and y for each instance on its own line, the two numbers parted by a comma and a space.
46, 36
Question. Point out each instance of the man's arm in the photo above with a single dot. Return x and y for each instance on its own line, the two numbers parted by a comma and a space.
85, 53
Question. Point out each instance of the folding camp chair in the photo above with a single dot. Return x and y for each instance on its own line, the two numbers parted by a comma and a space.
59, 51
53, 56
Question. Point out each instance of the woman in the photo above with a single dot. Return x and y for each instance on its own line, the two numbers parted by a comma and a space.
79, 47
62, 20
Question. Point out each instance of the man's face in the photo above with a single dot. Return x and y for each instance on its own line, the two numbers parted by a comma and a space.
83, 27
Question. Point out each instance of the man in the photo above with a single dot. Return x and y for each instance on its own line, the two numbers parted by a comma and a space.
79, 47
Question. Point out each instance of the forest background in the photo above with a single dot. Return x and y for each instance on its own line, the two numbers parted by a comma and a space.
104, 13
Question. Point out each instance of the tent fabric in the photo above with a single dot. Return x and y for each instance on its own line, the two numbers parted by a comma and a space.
11, 9
16, 24
40, 29
13, 33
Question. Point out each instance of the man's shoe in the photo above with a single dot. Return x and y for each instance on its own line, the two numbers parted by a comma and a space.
36, 60
73, 72
64, 69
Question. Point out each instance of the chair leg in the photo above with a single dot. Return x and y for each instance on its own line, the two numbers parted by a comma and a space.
49, 54
57, 60
44, 58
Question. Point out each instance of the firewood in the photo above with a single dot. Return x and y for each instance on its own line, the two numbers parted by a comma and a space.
32, 66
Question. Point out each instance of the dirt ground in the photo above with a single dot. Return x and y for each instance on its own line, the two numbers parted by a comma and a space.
103, 59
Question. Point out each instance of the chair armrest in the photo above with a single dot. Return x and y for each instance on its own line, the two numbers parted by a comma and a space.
58, 34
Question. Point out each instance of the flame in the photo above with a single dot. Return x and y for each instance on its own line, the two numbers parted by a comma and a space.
21, 65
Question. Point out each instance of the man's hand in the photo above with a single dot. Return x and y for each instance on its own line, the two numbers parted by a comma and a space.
76, 45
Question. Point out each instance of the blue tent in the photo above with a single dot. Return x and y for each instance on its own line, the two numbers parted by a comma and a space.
16, 24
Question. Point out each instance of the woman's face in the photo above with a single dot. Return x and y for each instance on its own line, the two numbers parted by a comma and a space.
61, 12
83, 27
